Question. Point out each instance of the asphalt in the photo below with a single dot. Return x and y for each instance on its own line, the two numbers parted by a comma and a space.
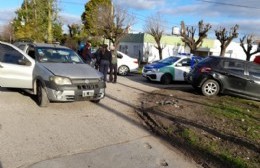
146, 152
83, 134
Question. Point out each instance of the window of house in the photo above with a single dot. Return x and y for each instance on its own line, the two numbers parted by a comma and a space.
123, 49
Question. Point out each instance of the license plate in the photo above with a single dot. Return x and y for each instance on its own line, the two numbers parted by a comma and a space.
87, 93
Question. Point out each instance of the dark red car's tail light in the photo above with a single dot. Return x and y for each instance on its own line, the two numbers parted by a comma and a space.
204, 69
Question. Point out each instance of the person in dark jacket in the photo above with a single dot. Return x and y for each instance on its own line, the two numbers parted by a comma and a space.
105, 60
86, 53
96, 57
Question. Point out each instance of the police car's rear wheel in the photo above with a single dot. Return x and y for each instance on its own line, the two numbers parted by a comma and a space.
166, 79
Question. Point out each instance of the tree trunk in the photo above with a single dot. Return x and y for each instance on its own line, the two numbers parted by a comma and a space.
192, 51
160, 52
49, 29
223, 51
248, 56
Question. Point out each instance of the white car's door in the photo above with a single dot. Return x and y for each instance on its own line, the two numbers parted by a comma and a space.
16, 68
181, 67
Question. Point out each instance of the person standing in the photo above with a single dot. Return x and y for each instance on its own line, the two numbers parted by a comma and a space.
105, 60
86, 53
113, 65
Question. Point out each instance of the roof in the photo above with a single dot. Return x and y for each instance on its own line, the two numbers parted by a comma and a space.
166, 39
133, 38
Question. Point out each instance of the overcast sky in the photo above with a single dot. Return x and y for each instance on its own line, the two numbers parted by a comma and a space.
219, 13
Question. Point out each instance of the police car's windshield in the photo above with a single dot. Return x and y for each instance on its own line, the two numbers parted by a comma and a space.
169, 60
57, 55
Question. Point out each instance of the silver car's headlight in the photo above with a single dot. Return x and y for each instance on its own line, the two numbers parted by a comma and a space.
59, 80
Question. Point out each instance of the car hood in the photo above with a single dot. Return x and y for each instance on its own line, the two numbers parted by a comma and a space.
72, 70
156, 65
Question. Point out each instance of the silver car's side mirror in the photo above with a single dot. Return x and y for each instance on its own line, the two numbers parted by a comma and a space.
24, 62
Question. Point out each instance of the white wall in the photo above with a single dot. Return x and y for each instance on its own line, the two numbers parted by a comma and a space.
234, 50
152, 53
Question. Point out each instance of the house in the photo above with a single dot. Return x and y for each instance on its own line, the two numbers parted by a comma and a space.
142, 46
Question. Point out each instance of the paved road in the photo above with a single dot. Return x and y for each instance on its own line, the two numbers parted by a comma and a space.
82, 134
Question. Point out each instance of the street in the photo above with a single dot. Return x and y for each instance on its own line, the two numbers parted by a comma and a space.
83, 134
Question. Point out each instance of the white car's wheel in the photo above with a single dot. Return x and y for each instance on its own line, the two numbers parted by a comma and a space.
123, 70
210, 88
42, 97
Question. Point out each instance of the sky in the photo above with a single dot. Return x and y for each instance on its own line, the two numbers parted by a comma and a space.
218, 13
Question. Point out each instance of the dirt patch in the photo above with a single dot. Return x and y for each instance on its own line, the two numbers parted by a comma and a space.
216, 131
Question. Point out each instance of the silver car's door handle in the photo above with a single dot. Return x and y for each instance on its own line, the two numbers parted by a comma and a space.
1, 66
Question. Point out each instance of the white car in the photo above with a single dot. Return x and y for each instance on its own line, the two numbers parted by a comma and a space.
126, 64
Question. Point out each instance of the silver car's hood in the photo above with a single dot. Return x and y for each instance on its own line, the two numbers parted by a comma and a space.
72, 70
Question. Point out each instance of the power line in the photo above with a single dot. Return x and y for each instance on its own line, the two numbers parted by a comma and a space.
70, 2
230, 4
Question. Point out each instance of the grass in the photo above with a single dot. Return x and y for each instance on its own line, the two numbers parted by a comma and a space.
242, 114
214, 148
231, 116
226, 129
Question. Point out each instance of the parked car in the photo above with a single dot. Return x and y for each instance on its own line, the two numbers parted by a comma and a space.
52, 72
215, 75
169, 69
126, 64
257, 59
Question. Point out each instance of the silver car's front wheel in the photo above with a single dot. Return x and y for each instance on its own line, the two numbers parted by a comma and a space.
42, 97
210, 88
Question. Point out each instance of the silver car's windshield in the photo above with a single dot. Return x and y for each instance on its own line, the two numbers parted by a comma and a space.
57, 55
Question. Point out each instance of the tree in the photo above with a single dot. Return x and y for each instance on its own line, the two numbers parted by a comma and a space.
188, 35
75, 36
225, 37
114, 23
91, 14
34, 18
104, 20
246, 42
154, 27
7, 33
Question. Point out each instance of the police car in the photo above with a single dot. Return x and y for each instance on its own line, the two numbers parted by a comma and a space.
170, 69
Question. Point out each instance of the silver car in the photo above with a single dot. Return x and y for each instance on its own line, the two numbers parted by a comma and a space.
52, 72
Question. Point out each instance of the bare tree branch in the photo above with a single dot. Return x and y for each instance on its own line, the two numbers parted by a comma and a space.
114, 22
225, 37
188, 35
248, 41
154, 27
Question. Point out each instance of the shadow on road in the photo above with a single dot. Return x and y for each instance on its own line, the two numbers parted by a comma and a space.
1, 165
120, 114
139, 79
